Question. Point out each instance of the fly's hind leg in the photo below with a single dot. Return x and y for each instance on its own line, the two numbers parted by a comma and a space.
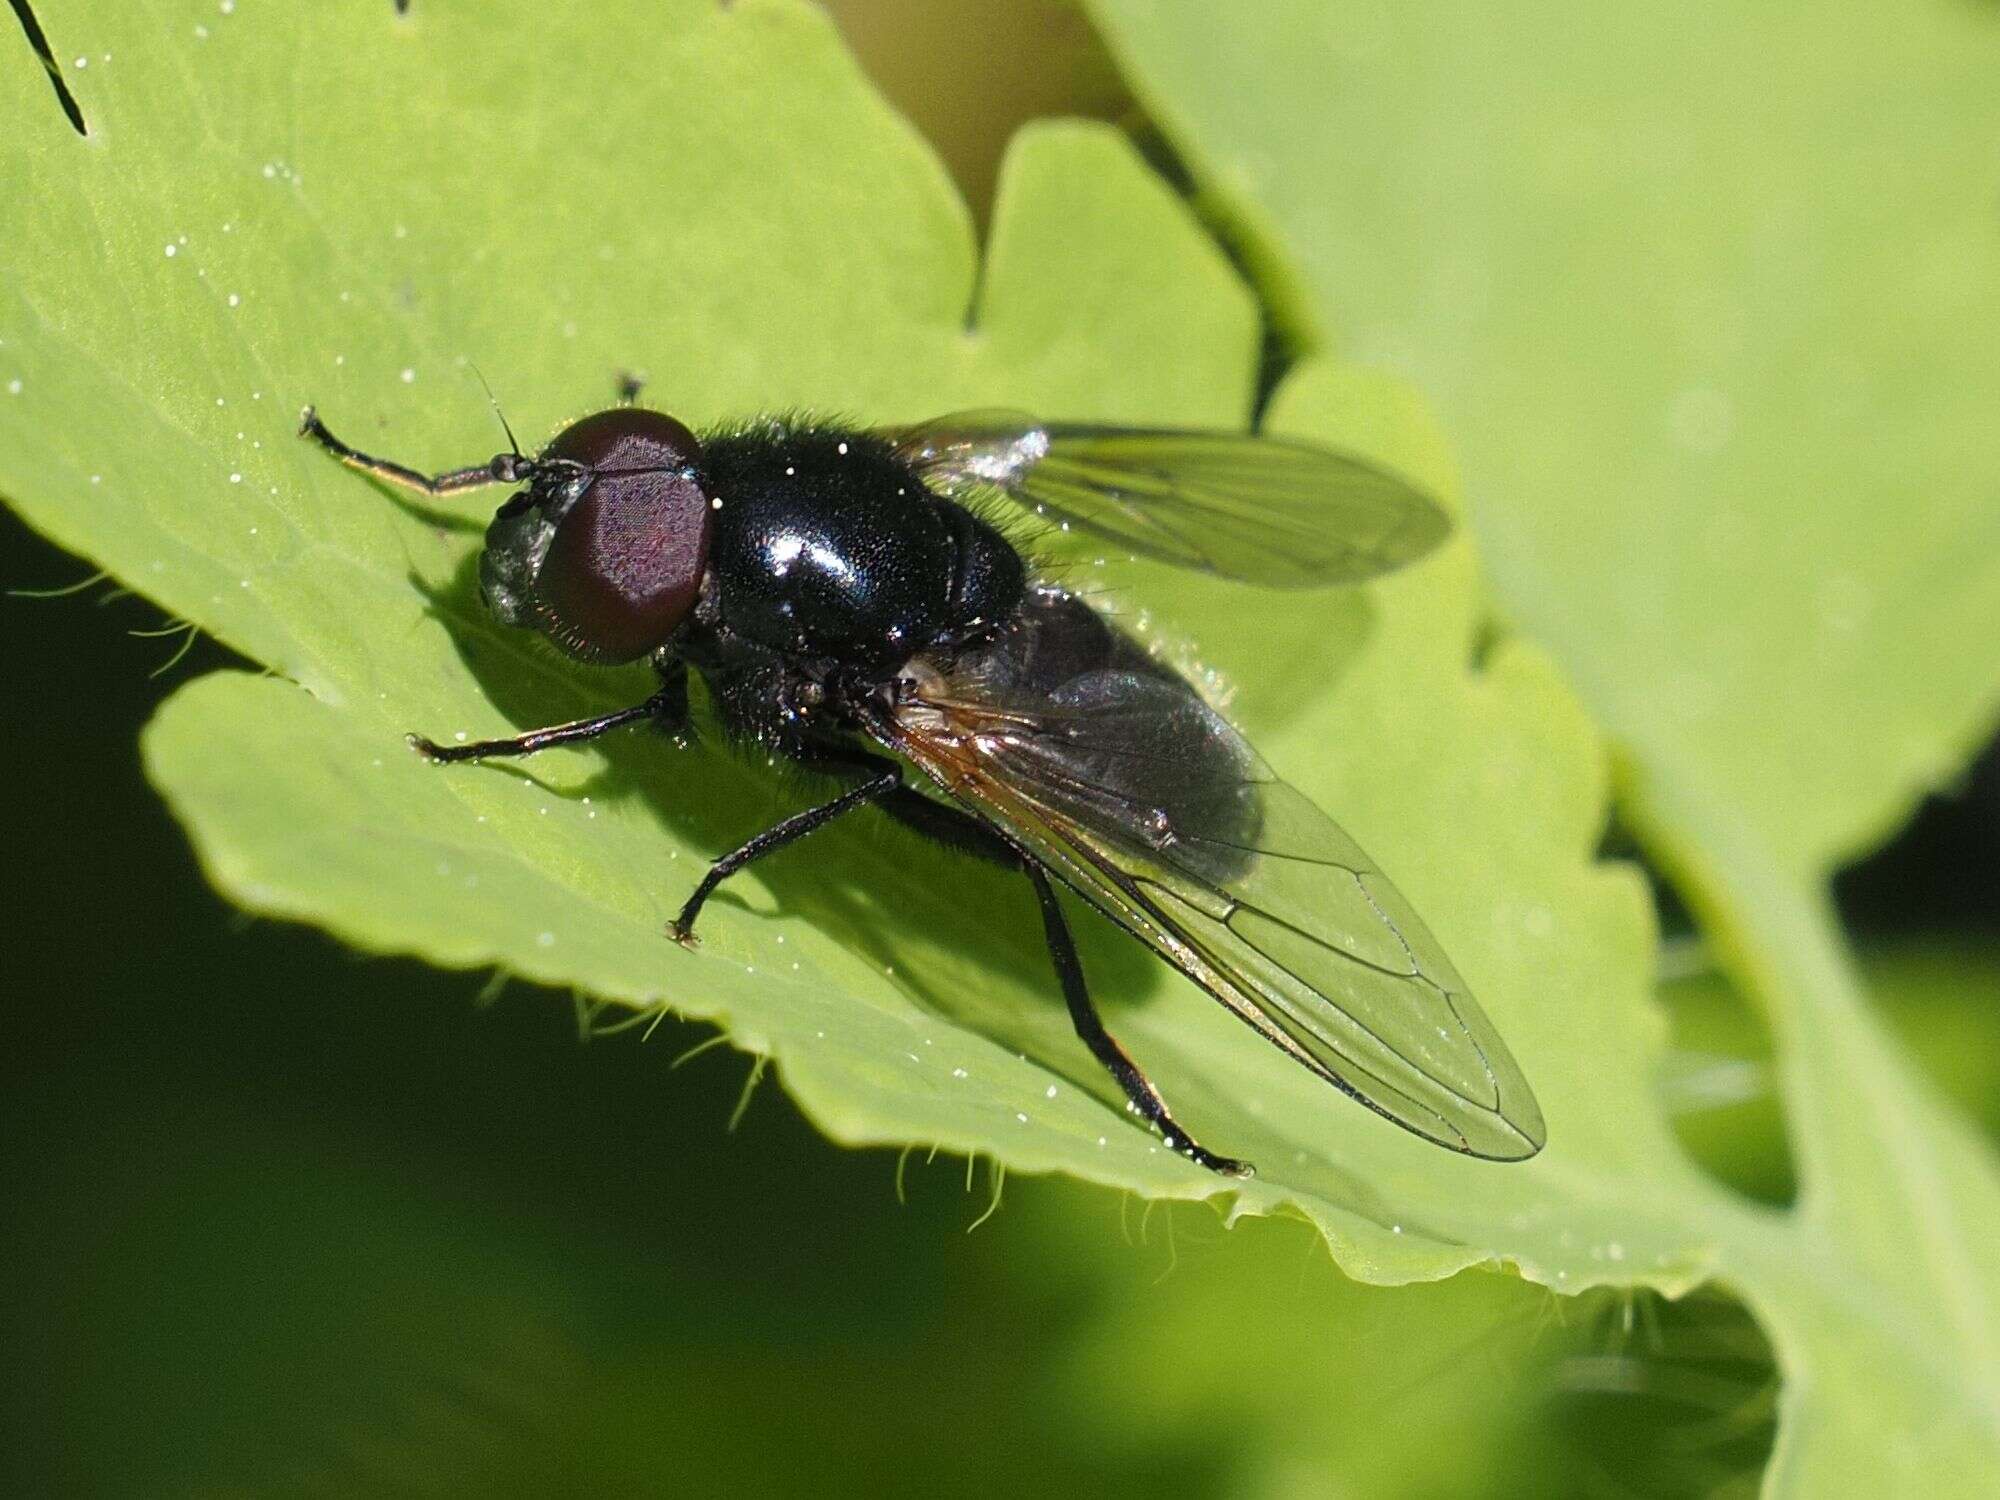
962, 831
1105, 1047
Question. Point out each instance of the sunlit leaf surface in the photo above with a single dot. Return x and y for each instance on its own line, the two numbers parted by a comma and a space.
1707, 297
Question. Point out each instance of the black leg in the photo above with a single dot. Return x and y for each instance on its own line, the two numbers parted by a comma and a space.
961, 831
505, 468
659, 708
1104, 1046
878, 786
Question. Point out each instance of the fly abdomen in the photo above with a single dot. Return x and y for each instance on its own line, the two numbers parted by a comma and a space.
988, 577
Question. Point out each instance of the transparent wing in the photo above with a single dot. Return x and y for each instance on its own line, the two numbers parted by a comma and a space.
1121, 780
1260, 509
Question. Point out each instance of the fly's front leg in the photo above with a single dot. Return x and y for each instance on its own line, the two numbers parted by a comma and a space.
574, 732
502, 468
666, 708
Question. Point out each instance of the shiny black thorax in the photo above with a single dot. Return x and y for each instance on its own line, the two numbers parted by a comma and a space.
825, 545
831, 566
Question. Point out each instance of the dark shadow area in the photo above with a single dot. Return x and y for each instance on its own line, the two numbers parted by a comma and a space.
461, 518
1720, 1089
1941, 872
1925, 913
968, 74
284, 1220
37, 39
1717, 1083
1664, 1398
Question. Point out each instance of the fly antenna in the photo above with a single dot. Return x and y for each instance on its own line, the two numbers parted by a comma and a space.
505, 426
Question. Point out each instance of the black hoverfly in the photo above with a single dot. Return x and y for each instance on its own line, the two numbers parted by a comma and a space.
850, 606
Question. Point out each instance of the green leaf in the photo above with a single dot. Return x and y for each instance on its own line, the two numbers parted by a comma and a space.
1940, 996
1709, 299
729, 209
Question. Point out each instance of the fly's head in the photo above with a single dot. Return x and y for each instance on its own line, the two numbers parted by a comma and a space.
604, 548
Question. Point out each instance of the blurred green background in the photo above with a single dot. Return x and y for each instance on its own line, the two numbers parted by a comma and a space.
287, 1221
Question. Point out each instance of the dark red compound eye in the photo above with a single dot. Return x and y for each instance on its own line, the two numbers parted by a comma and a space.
622, 565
